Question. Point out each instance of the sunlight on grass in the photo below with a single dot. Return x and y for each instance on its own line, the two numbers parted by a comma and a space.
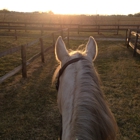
29, 107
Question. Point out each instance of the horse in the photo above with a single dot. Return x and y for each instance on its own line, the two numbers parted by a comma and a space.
81, 102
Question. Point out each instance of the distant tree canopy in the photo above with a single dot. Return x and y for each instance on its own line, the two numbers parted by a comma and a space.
135, 15
130, 15
4, 11
50, 12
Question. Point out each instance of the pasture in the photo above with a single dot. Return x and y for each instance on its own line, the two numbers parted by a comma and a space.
28, 107
29, 110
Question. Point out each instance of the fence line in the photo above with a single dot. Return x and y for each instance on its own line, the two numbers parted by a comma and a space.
10, 51
25, 62
42, 24
16, 49
57, 26
11, 73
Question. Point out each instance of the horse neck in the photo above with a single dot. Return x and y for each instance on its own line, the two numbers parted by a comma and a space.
85, 114
87, 92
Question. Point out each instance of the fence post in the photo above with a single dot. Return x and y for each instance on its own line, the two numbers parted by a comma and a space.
68, 38
9, 26
15, 34
118, 30
42, 50
126, 37
129, 37
25, 27
78, 28
62, 33
134, 53
61, 26
53, 39
98, 29
23, 57
42, 29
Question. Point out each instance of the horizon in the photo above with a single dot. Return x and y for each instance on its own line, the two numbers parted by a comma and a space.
66, 7
47, 12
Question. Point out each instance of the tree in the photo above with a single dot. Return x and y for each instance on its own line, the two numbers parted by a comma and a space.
4, 11
130, 15
137, 14
51, 13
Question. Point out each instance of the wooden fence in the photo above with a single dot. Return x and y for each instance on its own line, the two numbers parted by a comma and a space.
133, 40
26, 62
57, 26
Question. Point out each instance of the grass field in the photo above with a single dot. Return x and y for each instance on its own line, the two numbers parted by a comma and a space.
29, 110
9, 62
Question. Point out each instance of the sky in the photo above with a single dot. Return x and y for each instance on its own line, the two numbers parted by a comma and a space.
104, 7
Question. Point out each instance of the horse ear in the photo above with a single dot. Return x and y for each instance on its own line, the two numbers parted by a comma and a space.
91, 48
61, 52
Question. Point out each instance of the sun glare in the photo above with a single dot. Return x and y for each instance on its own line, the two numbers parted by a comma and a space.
68, 6
71, 6
58, 7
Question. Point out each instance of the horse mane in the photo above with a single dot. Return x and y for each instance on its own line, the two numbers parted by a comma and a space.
91, 117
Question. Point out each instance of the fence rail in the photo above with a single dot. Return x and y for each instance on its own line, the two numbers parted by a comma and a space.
72, 27
79, 28
25, 62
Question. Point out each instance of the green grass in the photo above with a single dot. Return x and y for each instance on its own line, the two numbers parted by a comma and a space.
9, 62
28, 107
120, 76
